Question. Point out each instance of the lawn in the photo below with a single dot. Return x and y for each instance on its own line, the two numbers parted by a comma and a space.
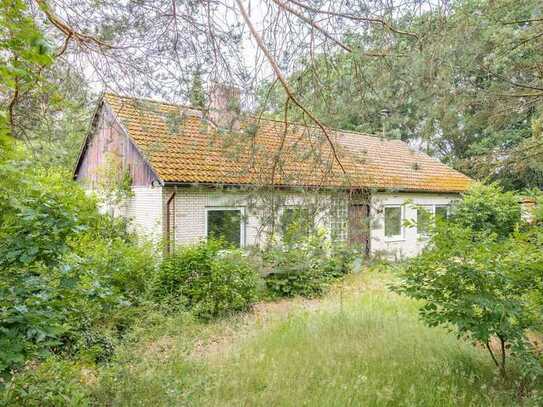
360, 345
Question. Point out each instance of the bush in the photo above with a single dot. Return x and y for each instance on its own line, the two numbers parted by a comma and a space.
305, 268
294, 273
39, 213
482, 275
32, 317
66, 271
208, 279
53, 383
339, 261
486, 208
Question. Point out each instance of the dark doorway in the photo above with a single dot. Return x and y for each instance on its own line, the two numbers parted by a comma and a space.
359, 227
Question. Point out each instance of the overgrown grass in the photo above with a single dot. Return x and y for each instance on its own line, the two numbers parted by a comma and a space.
362, 345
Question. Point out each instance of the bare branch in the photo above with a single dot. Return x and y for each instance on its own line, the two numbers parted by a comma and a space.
68, 31
284, 82
375, 20
313, 24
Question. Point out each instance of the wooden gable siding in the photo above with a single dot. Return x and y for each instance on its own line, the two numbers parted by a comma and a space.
108, 138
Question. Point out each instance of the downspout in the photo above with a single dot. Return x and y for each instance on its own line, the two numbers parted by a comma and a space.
170, 223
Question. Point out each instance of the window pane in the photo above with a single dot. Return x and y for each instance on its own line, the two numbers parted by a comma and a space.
295, 223
441, 212
424, 219
338, 220
225, 224
393, 222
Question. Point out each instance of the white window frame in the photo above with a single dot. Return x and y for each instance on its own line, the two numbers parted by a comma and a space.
401, 236
242, 220
446, 206
431, 209
342, 219
432, 212
291, 207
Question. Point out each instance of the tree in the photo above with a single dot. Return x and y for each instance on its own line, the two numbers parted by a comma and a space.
477, 107
480, 277
197, 92
24, 53
166, 41
44, 101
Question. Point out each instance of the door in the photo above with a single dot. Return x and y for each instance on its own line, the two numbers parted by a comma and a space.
359, 227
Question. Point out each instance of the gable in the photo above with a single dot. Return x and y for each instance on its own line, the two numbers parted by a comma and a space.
184, 148
107, 145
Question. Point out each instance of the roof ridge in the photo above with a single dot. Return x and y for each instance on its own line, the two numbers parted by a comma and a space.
334, 129
151, 100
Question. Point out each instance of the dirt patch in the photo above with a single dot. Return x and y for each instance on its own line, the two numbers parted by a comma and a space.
284, 307
158, 349
249, 324
88, 377
263, 314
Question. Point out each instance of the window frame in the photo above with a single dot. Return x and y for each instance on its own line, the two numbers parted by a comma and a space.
430, 208
242, 221
401, 236
293, 208
447, 209
339, 220
433, 213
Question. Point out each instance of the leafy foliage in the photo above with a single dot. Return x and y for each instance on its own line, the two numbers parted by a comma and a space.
479, 274
197, 93
23, 51
53, 383
38, 215
42, 99
305, 268
488, 209
208, 279
477, 107
65, 269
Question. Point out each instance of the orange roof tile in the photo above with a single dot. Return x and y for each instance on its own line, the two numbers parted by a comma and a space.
186, 148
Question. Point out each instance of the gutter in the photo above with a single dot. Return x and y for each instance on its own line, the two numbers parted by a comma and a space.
286, 187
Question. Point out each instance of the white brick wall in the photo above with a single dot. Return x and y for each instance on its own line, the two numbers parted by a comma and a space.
145, 211
191, 204
191, 208
411, 243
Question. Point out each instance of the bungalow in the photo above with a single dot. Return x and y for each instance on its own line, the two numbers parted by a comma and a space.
190, 178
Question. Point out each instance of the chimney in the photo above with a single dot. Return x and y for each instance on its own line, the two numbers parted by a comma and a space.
224, 105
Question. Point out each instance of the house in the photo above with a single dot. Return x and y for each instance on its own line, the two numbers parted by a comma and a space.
191, 178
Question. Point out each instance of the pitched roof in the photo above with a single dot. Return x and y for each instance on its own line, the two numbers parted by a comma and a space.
182, 147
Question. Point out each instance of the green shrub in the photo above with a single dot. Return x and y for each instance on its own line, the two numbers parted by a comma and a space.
483, 276
232, 286
305, 268
54, 383
339, 261
120, 263
39, 213
309, 283
66, 271
208, 279
32, 316
486, 208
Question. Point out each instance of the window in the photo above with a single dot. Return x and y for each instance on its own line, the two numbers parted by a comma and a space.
426, 214
338, 220
442, 212
424, 219
296, 222
393, 222
226, 224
